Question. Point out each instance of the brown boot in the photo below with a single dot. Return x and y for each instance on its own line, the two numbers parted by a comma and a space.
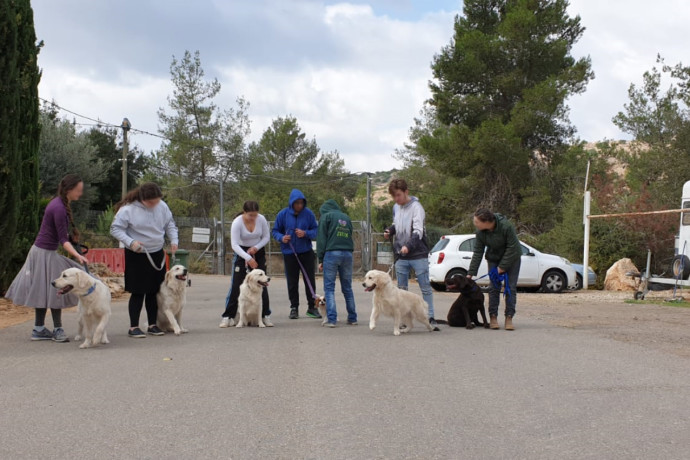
493, 322
509, 323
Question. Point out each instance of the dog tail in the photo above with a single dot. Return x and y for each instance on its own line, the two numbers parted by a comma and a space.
441, 321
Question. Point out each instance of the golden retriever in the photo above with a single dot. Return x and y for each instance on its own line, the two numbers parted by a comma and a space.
249, 301
402, 305
172, 297
94, 305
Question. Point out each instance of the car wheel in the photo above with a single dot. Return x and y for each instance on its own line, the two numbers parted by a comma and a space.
440, 287
678, 261
553, 282
578, 282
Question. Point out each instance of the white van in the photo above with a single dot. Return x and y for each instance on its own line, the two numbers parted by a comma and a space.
681, 261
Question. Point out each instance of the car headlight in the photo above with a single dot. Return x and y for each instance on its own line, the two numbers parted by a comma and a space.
565, 261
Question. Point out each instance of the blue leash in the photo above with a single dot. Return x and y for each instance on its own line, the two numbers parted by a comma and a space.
497, 279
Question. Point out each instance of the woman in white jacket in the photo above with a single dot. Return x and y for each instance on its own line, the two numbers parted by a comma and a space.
142, 222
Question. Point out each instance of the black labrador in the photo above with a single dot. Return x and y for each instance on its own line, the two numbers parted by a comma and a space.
463, 312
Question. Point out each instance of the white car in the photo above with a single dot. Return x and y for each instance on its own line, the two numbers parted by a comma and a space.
453, 253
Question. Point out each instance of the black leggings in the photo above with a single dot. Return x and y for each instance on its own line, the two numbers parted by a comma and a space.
56, 313
239, 273
136, 301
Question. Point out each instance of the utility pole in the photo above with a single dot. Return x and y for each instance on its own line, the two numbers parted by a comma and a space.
586, 222
221, 240
126, 125
367, 236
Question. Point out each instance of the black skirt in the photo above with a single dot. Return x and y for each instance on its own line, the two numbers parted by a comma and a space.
140, 276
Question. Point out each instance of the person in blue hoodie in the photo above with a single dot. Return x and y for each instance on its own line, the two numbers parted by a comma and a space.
294, 228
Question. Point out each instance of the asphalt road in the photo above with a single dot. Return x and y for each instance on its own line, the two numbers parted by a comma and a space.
302, 391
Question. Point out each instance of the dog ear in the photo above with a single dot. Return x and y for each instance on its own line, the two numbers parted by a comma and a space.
83, 280
169, 276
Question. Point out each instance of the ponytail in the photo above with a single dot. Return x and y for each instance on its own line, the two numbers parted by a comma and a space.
146, 191
66, 185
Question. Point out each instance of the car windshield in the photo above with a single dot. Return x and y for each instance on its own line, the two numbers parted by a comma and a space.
441, 245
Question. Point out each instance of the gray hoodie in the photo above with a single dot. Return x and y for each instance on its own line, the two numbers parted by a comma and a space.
136, 222
408, 228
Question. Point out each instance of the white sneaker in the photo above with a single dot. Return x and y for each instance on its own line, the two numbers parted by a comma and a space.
267, 321
227, 322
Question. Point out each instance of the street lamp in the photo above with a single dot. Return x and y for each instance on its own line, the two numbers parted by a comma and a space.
126, 126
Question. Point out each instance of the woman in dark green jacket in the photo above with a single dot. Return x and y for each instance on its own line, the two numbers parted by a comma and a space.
496, 234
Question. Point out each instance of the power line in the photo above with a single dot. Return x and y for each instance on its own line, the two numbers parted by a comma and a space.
98, 122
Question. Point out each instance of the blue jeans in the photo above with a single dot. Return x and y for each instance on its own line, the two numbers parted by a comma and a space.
495, 293
421, 270
338, 263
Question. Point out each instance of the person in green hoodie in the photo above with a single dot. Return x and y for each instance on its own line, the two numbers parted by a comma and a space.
497, 235
334, 248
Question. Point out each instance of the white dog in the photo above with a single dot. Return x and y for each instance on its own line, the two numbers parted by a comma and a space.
172, 297
402, 305
249, 301
94, 305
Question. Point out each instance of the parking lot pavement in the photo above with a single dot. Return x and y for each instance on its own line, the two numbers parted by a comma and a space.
302, 391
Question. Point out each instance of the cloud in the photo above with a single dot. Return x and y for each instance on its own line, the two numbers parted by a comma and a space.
623, 41
354, 78
353, 73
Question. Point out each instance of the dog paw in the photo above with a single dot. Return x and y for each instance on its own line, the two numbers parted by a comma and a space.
77, 338
105, 341
239, 325
396, 332
372, 326
184, 331
470, 326
262, 325
85, 345
177, 331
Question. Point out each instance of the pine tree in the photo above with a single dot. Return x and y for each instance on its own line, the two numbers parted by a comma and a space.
498, 99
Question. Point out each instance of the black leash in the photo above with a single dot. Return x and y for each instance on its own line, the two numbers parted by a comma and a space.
82, 250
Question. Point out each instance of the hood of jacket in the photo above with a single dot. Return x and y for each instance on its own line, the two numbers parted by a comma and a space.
329, 206
295, 195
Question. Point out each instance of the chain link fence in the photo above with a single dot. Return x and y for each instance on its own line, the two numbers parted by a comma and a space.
371, 251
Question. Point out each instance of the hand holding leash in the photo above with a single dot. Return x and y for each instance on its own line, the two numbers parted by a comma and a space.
173, 249
136, 246
300, 233
404, 250
252, 263
286, 239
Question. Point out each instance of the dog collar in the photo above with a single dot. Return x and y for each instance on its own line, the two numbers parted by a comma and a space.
90, 291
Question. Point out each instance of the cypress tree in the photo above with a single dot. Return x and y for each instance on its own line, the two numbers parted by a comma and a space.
19, 135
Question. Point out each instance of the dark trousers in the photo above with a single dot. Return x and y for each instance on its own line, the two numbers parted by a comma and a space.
239, 273
495, 293
136, 301
292, 271
56, 313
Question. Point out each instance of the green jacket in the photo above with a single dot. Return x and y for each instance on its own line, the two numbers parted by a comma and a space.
502, 246
335, 230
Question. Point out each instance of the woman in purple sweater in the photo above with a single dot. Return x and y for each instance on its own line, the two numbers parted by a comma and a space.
31, 287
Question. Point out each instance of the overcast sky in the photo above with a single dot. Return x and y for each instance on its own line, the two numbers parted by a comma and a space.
354, 73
